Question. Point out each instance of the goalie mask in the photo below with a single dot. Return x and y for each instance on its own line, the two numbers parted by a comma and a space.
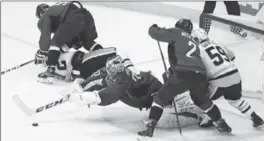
116, 71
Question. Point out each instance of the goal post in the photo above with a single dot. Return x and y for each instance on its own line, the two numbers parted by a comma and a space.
253, 25
249, 53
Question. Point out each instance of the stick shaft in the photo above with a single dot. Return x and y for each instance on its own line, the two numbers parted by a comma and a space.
17, 67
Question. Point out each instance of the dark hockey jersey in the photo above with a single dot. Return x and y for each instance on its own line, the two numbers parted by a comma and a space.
183, 51
48, 24
70, 13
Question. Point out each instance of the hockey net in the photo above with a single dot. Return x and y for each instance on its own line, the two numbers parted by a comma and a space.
245, 37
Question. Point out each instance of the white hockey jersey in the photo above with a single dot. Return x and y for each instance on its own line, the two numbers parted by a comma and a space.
216, 59
64, 66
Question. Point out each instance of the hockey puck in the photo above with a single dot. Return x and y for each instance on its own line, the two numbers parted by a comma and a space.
34, 124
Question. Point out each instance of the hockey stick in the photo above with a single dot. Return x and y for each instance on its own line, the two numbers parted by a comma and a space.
173, 102
30, 112
16, 67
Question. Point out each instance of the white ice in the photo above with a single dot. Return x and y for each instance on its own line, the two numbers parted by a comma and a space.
123, 29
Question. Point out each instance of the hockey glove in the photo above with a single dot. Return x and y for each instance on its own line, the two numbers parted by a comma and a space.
41, 57
75, 87
166, 74
73, 75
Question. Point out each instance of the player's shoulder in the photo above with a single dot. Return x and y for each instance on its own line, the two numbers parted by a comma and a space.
182, 34
55, 10
175, 30
207, 43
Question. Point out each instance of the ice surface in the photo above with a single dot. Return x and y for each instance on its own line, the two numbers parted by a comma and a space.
69, 122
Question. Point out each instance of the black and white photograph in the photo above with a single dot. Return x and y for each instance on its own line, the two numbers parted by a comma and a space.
128, 70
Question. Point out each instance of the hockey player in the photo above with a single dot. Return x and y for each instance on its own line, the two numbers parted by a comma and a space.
116, 82
187, 72
77, 64
223, 75
138, 94
66, 21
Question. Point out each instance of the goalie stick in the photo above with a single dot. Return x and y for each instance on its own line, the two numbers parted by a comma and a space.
30, 112
16, 67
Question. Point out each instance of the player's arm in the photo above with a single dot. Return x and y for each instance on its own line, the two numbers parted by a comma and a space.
163, 34
132, 102
129, 65
127, 62
230, 54
95, 81
44, 26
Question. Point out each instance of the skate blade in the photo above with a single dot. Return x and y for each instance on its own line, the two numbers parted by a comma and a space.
48, 80
146, 138
261, 127
226, 133
143, 138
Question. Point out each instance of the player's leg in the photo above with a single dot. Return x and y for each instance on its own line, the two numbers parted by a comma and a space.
188, 113
233, 95
90, 33
209, 6
65, 33
200, 98
232, 7
230, 87
176, 84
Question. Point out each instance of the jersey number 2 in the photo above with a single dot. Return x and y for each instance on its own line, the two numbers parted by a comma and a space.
194, 47
218, 57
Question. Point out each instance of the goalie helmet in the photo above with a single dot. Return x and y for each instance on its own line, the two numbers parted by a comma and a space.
114, 65
41, 8
185, 24
116, 72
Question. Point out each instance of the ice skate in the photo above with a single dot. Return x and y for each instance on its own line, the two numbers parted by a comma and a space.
257, 121
222, 126
47, 76
150, 127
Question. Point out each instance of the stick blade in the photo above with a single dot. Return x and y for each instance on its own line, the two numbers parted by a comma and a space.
22, 105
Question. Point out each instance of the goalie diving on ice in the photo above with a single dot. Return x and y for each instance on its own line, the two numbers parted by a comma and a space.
118, 80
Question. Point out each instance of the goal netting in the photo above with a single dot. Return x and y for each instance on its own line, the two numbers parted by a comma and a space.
245, 37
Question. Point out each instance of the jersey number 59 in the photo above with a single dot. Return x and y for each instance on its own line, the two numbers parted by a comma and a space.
217, 54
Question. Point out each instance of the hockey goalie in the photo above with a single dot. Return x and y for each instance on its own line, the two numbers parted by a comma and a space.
118, 80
